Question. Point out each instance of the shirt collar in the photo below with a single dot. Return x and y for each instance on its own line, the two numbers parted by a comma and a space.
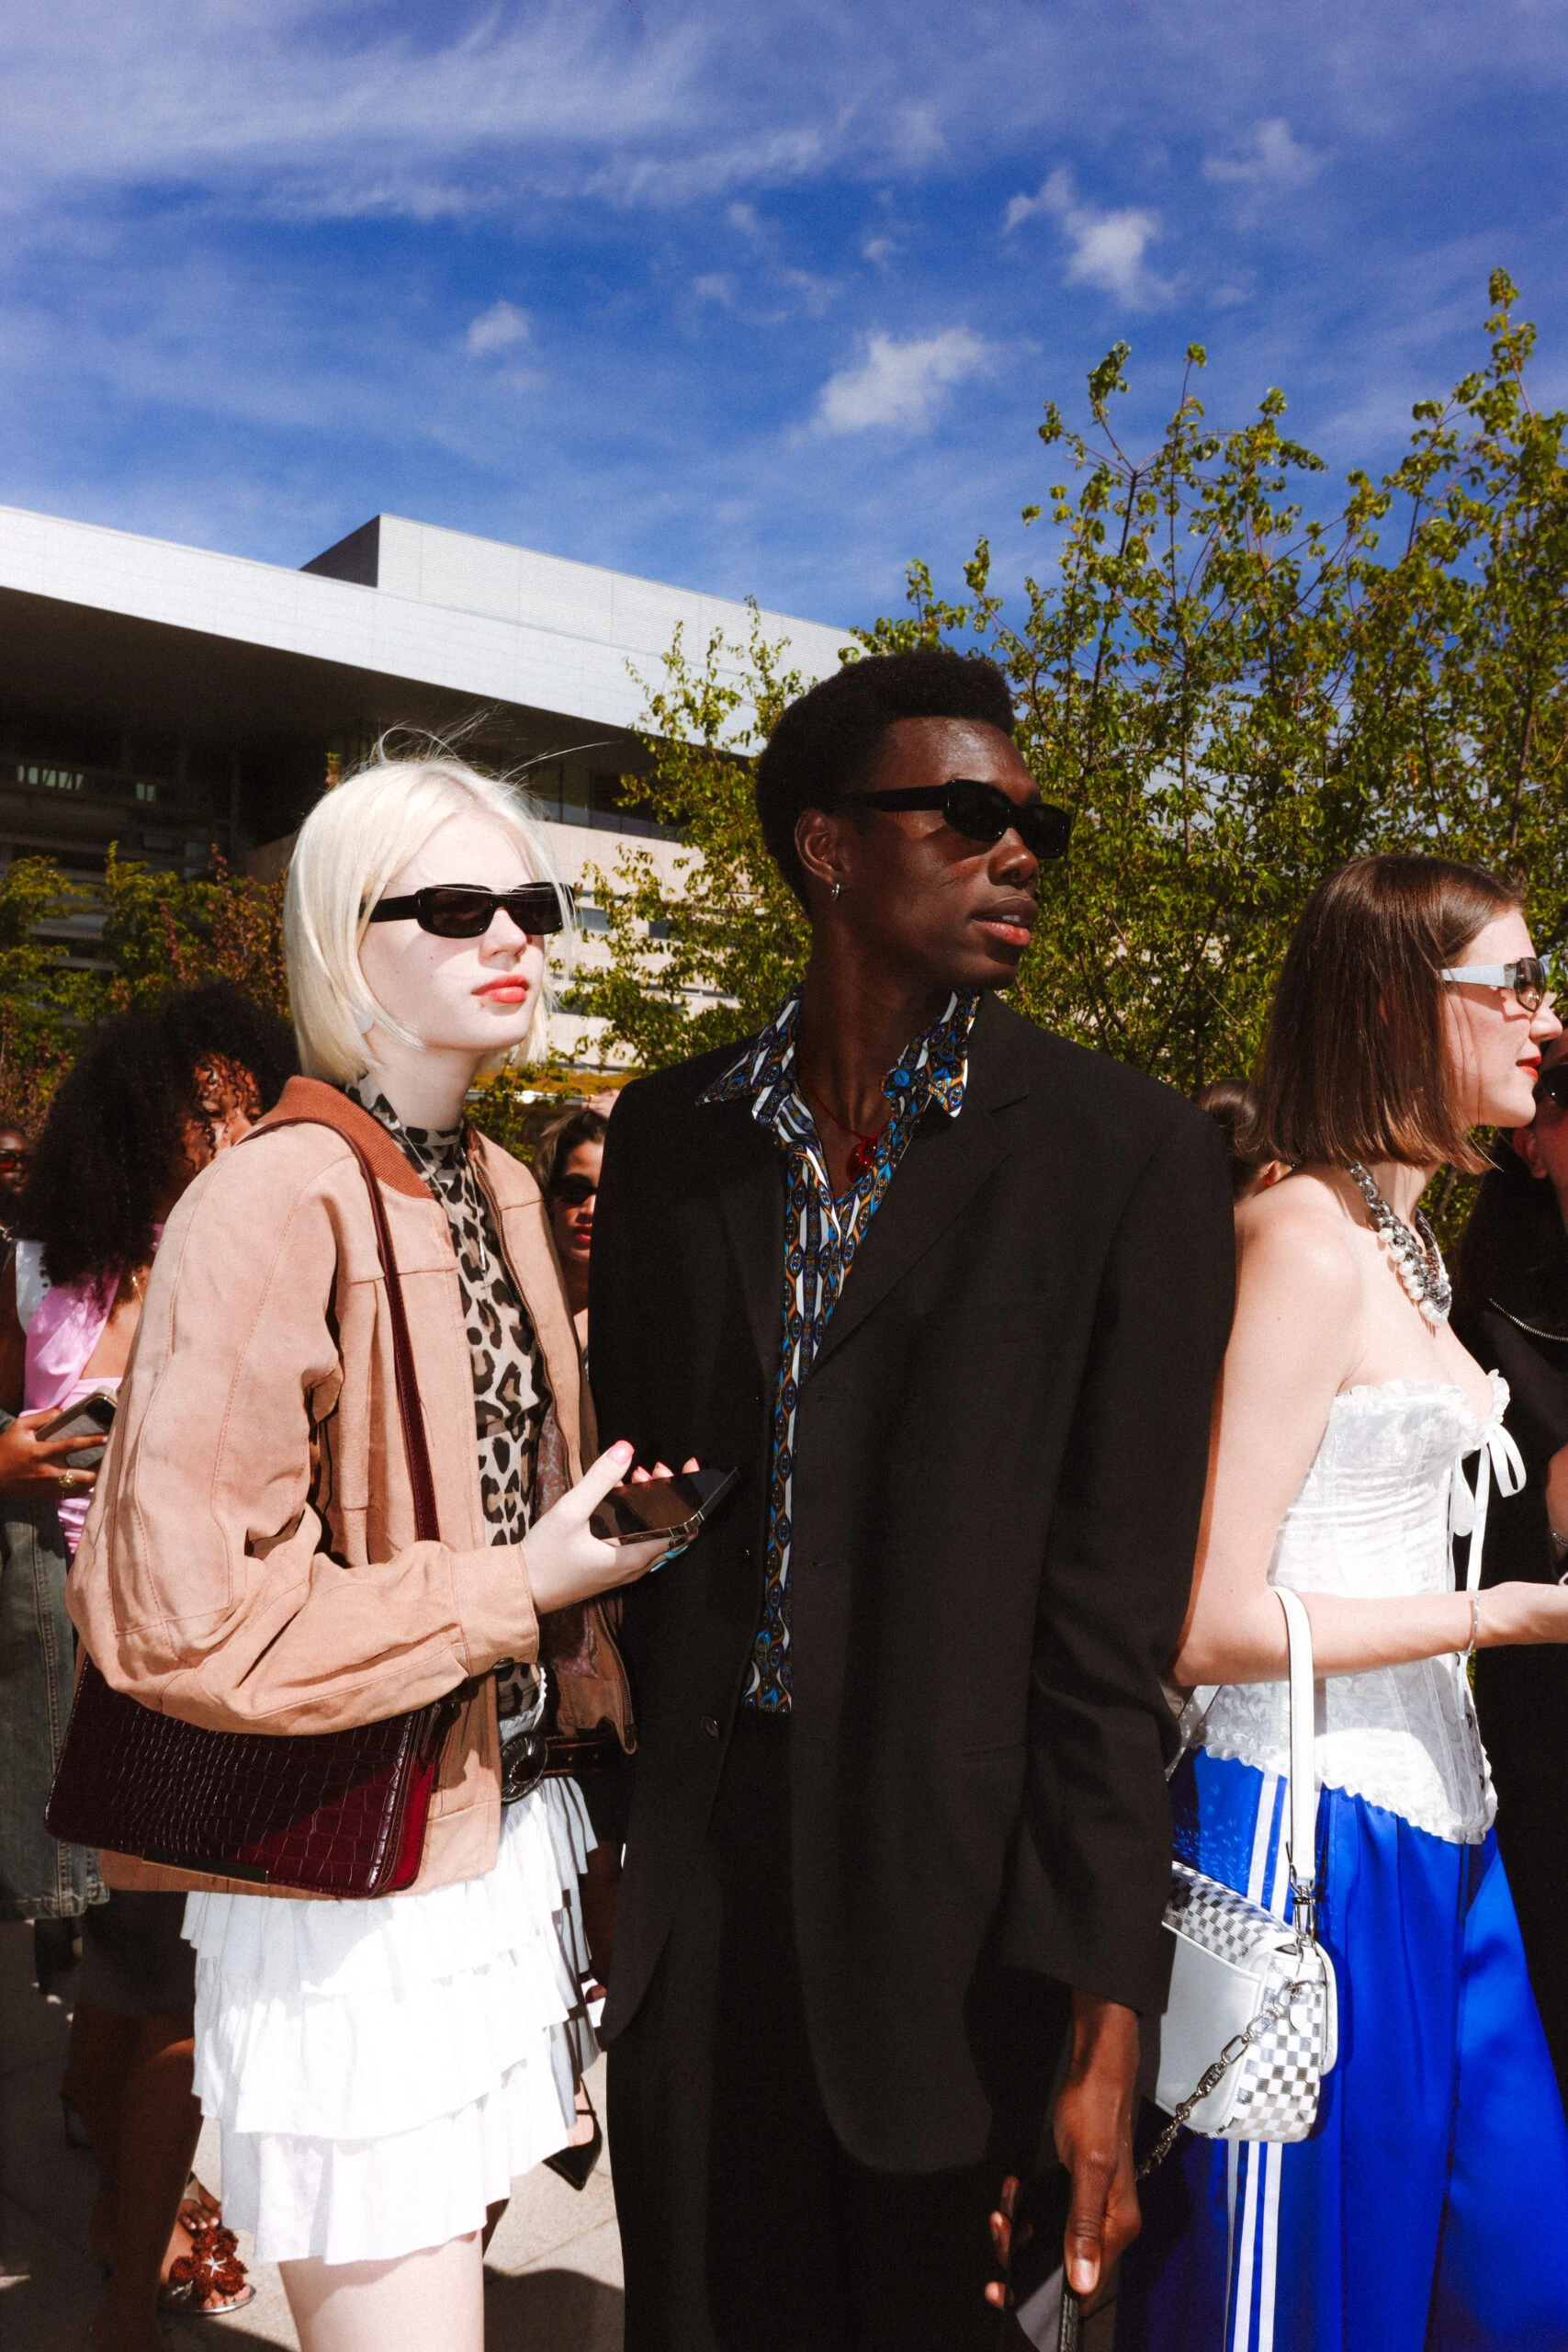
933, 1067
441, 1148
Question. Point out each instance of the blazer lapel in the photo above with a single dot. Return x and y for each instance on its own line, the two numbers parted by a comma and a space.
749, 1178
945, 1163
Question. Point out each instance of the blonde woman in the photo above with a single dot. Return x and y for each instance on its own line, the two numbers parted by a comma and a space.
381, 2070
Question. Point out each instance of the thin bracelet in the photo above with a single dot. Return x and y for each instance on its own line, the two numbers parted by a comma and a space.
1474, 1626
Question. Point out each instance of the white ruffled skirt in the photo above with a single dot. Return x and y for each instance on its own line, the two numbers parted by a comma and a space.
381, 2072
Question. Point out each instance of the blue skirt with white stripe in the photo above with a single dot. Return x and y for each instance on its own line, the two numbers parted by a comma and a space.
1428, 2211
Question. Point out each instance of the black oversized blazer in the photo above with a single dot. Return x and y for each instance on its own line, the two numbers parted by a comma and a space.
999, 1476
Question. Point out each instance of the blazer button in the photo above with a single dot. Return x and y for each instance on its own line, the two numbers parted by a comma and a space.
711, 1726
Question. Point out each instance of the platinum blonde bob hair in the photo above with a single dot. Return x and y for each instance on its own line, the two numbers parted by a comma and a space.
356, 837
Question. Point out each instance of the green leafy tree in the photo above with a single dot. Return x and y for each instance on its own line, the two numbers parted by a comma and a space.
1232, 691
166, 931
42, 1003
154, 931
694, 963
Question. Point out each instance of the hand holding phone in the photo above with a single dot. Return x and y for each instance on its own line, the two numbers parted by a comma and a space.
567, 1560
1040, 2309
671, 1504
30, 1465
89, 1420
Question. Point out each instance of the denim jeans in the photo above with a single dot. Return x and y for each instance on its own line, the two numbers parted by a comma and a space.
39, 1878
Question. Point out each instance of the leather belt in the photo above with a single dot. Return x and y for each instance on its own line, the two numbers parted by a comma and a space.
588, 1751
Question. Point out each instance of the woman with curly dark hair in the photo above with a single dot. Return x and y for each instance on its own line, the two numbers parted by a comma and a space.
152, 1098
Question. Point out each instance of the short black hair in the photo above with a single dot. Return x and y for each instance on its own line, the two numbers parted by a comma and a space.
114, 1139
828, 740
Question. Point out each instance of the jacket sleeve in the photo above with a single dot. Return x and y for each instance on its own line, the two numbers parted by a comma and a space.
201, 1585
1092, 1867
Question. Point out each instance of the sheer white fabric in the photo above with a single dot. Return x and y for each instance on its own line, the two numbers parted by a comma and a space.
383, 2071
1373, 1521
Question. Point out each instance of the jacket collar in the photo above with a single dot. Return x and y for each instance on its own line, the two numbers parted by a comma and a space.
313, 1099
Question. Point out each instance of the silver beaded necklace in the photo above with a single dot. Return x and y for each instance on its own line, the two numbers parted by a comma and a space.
1418, 1260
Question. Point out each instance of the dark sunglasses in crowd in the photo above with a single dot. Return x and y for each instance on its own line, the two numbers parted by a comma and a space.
573, 1191
1551, 1086
462, 910
981, 812
15, 1158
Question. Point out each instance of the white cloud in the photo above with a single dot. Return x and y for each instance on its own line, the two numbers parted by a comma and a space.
1105, 248
878, 251
1269, 157
1053, 193
715, 287
501, 328
900, 383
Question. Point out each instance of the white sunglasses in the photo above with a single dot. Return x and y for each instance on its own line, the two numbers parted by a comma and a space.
1525, 979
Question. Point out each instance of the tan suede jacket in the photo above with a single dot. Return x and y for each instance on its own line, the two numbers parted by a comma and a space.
249, 1562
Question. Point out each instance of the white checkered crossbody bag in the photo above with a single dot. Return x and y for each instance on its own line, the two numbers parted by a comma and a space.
1252, 2026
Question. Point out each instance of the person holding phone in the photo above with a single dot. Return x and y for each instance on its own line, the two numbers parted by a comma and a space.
380, 2069
952, 1294
152, 1097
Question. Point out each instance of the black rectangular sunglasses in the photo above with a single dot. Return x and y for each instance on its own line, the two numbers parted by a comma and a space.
462, 910
981, 812
1553, 1085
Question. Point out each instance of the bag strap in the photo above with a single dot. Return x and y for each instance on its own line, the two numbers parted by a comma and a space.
411, 1411
1301, 1795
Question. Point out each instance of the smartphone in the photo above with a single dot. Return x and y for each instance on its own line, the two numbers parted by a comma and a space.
673, 1508
91, 1418
1047, 2313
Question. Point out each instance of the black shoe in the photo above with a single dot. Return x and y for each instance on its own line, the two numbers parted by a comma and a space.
575, 2162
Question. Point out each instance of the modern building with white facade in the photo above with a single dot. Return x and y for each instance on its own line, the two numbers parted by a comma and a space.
177, 701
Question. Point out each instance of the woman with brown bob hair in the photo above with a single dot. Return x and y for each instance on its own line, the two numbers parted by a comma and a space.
1411, 1009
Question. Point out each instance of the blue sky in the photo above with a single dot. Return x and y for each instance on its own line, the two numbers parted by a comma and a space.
762, 297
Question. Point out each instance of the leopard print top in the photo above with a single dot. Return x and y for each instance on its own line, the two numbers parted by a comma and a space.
522, 1457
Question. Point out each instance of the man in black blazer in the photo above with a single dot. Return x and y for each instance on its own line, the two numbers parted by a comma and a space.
952, 1295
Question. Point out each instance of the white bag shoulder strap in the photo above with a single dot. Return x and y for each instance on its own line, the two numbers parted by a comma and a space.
1301, 1792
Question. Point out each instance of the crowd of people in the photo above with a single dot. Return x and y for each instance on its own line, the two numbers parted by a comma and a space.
844, 1812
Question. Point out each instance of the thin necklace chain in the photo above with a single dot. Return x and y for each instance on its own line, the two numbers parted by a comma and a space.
863, 1158
1418, 1260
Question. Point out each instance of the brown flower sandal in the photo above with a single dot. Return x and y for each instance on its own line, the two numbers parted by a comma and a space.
210, 2281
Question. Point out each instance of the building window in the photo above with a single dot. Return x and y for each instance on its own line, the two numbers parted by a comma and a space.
57, 779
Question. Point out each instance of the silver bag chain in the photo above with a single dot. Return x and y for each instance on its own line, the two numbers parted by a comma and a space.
1274, 2011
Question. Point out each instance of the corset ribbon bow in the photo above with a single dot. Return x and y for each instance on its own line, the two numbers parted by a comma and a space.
1500, 1459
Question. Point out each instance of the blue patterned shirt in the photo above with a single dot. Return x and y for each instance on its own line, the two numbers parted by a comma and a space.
822, 1236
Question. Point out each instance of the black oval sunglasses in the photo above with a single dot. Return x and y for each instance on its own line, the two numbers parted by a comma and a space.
980, 811
462, 910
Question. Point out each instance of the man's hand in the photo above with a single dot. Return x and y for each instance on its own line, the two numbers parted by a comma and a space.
1094, 2139
1093, 2125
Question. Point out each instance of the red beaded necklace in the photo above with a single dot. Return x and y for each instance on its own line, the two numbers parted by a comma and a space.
863, 1158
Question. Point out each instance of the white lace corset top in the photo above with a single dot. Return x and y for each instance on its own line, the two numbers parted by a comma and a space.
1373, 1519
